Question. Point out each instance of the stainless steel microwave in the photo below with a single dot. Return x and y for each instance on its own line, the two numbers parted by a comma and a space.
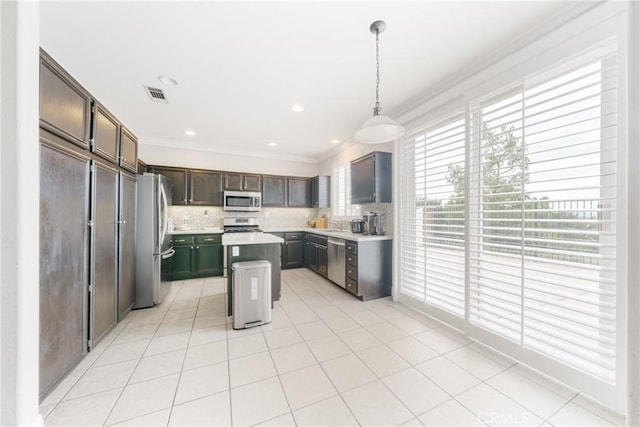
242, 201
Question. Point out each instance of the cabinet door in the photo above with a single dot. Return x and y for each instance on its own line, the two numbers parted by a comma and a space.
233, 181
362, 180
209, 260
127, 248
313, 256
299, 190
65, 108
251, 182
105, 134
293, 254
128, 151
205, 188
104, 251
64, 213
178, 179
274, 191
182, 264
305, 255
321, 192
323, 260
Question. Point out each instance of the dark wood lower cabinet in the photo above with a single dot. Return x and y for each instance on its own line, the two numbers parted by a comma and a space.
197, 255
64, 213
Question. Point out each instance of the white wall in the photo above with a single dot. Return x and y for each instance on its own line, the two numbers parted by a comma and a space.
19, 213
351, 151
153, 154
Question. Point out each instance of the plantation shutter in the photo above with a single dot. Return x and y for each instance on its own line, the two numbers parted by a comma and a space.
432, 212
543, 213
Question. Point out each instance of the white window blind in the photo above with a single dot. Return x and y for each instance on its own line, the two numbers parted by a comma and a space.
542, 227
432, 212
536, 257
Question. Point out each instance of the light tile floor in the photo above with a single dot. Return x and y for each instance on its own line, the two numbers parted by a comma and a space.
326, 359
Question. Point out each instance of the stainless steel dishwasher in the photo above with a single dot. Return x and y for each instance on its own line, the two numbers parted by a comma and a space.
336, 269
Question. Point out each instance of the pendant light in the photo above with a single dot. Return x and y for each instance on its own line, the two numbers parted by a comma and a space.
379, 128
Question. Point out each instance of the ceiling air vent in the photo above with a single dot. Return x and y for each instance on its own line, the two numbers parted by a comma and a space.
156, 94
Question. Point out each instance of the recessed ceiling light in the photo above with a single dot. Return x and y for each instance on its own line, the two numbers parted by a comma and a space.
272, 144
169, 81
190, 132
335, 141
297, 108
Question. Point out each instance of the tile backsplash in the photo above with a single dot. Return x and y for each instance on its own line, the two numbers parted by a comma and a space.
197, 217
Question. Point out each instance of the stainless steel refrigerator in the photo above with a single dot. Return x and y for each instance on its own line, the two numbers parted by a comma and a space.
153, 244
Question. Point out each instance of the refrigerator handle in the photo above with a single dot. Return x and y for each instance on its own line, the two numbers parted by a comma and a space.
168, 253
165, 216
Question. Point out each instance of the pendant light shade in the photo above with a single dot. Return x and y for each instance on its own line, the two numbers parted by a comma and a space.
378, 129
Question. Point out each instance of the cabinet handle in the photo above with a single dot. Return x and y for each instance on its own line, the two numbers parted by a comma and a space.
190, 200
209, 240
197, 247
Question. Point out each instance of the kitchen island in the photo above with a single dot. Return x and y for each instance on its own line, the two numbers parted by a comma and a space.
239, 247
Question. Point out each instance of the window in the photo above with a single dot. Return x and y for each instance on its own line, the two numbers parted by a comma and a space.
433, 257
341, 191
508, 219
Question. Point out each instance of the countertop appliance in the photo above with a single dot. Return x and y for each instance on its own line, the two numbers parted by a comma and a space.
337, 261
153, 243
357, 226
374, 223
242, 225
242, 201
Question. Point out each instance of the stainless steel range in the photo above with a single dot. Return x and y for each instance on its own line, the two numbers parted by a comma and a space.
242, 225
238, 225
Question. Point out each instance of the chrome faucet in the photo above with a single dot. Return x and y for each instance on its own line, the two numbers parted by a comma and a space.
336, 224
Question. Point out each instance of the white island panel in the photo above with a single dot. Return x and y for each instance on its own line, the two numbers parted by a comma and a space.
229, 239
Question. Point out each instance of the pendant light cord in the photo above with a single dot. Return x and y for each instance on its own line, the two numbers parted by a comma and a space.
376, 109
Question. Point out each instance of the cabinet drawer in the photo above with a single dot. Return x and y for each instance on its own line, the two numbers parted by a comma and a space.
209, 238
182, 240
318, 239
352, 272
352, 286
352, 248
293, 236
352, 260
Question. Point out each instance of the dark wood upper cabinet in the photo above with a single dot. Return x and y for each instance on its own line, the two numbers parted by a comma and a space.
128, 151
233, 181
252, 182
178, 178
205, 188
105, 134
65, 108
371, 178
321, 191
299, 190
242, 182
274, 191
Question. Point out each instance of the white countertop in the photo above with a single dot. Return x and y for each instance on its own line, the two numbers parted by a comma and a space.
230, 239
325, 232
199, 231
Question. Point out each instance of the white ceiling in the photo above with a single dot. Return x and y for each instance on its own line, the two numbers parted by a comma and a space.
242, 65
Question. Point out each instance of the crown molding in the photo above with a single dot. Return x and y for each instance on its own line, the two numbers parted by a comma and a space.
198, 146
